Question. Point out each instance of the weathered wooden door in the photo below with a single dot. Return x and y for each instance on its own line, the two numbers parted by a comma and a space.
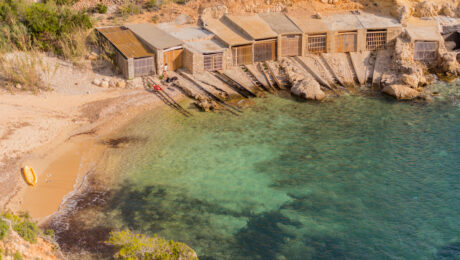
213, 62
265, 50
174, 59
347, 42
242, 55
291, 45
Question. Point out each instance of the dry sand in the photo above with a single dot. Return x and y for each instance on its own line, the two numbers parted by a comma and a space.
59, 134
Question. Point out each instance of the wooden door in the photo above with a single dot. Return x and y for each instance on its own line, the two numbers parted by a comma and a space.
213, 62
242, 55
347, 42
291, 45
264, 51
174, 59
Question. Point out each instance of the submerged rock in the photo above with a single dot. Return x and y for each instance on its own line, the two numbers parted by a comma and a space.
401, 92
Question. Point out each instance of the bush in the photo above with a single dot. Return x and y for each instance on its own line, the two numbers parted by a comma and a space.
138, 246
25, 228
17, 256
129, 8
4, 229
25, 25
28, 70
150, 4
101, 8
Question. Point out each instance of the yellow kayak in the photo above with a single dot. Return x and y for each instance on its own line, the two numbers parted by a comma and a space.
29, 175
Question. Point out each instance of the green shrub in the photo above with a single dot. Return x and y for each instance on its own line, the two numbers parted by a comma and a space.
17, 256
25, 25
150, 4
25, 227
4, 229
27, 230
129, 8
138, 246
101, 8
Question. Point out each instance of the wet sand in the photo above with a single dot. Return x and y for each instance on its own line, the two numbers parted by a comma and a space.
71, 151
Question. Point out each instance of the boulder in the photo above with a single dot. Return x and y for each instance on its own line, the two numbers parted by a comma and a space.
402, 12
303, 84
448, 9
400, 92
427, 9
121, 84
410, 79
97, 82
105, 84
18, 86
450, 64
309, 90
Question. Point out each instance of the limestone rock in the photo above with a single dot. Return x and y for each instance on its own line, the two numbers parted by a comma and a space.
427, 9
450, 64
402, 12
448, 9
121, 84
410, 79
310, 90
92, 56
18, 86
206, 105
104, 84
97, 82
400, 92
214, 12
303, 84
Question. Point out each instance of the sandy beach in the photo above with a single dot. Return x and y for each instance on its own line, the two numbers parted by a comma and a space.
60, 135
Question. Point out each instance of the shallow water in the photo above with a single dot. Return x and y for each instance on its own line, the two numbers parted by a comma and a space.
354, 178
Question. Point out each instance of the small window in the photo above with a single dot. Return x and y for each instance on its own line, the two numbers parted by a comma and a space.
213, 62
425, 50
316, 43
376, 40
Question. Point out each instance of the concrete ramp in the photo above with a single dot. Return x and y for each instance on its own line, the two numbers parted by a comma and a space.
252, 68
237, 75
317, 69
382, 64
339, 64
211, 80
361, 64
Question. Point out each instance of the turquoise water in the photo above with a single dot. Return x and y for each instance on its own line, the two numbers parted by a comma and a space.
353, 178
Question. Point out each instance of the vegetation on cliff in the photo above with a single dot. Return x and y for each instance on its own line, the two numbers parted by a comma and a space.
138, 246
20, 238
43, 26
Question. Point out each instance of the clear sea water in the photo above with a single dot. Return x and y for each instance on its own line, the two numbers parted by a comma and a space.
352, 178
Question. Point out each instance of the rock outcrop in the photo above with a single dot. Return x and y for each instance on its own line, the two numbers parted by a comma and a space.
450, 65
401, 92
303, 84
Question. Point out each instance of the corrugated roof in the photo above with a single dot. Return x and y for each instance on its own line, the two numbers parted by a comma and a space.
280, 23
126, 42
309, 24
154, 36
224, 32
206, 46
253, 25
186, 32
373, 21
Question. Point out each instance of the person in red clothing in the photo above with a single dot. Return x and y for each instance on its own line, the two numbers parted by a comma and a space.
157, 87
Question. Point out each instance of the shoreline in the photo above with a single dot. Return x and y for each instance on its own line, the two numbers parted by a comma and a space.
62, 163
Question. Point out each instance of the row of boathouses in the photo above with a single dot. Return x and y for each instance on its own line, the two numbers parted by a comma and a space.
235, 40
